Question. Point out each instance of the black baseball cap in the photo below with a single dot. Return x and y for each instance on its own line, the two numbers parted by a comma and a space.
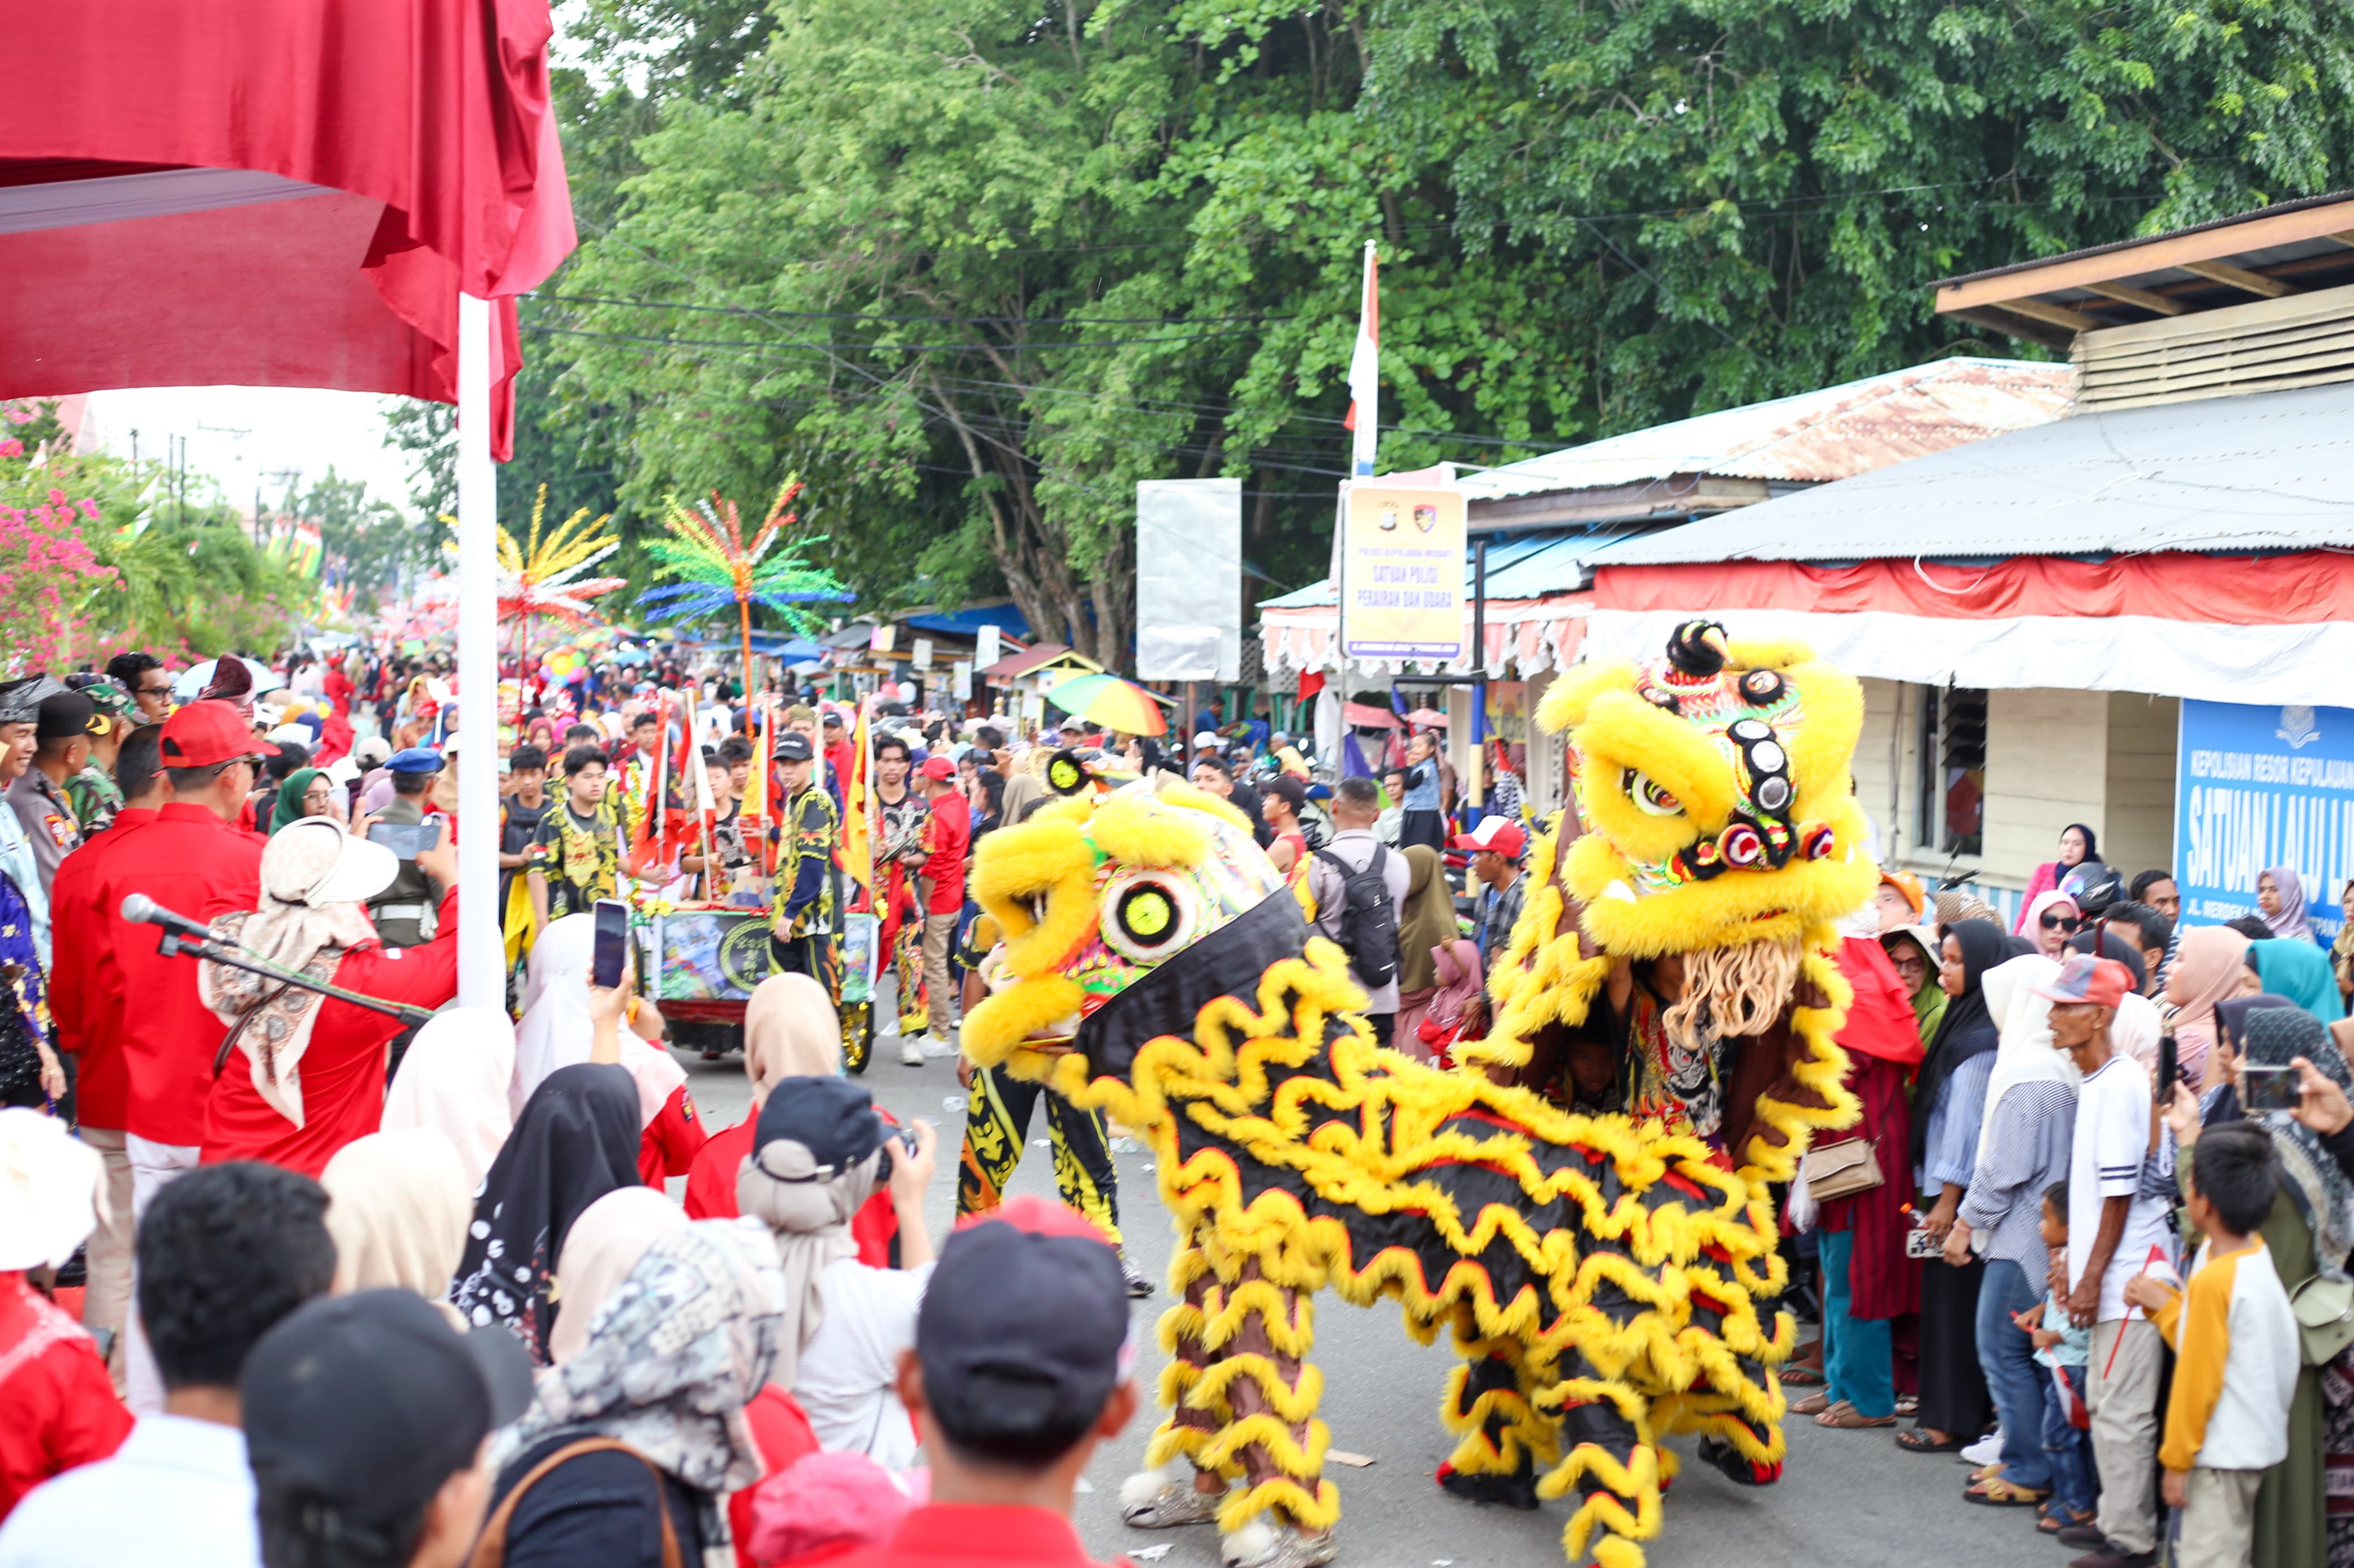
373, 1401
1023, 1329
832, 1117
792, 746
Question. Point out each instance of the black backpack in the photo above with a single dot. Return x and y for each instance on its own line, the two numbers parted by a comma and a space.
1369, 927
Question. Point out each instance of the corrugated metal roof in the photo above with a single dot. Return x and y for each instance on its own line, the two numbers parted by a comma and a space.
1520, 566
1814, 436
2270, 471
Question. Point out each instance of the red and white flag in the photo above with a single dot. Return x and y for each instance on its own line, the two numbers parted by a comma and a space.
1365, 371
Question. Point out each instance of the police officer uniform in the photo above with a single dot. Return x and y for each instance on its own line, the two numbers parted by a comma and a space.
406, 913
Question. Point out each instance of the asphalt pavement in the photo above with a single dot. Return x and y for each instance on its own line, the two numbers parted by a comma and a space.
1846, 1500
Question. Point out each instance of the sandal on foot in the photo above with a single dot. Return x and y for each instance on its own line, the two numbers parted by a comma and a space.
1846, 1418
1796, 1376
1908, 1404
2053, 1523
1919, 1442
1813, 1404
1996, 1492
1986, 1472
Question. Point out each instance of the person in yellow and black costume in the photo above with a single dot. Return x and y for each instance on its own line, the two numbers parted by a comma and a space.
998, 1109
576, 857
801, 931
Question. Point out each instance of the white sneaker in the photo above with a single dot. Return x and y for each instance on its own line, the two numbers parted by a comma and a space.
911, 1048
1986, 1450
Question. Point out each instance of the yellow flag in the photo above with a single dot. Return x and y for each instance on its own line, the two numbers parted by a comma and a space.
857, 836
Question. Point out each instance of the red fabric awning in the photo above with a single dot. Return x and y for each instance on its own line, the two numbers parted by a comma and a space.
427, 123
2304, 589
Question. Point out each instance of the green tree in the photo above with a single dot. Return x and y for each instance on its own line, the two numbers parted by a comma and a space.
974, 270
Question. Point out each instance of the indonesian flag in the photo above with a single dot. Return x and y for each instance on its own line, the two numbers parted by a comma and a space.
1365, 370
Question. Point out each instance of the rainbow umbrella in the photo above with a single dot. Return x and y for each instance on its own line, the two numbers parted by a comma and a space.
1114, 704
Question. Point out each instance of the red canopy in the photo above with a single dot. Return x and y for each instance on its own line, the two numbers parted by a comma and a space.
287, 193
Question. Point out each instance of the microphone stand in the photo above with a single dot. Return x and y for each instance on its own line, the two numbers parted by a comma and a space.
174, 944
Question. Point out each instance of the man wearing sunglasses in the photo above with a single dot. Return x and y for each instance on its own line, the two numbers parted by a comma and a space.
149, 685
2051, 919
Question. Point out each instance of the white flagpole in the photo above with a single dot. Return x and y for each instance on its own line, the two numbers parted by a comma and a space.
1365, 371
480, 950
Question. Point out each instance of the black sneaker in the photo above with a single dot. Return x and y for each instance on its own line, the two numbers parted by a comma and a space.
1139, 1287
2109, 1554
2081, 1536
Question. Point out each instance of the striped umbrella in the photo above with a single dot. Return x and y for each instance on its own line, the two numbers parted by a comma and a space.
1114, 704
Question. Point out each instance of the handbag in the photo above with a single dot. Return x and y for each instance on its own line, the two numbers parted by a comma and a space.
2325, 1317
1841, 1170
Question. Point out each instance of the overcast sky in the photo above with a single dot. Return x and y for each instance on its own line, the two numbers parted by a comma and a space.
241, 434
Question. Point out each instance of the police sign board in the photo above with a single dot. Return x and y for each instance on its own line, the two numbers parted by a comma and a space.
2258, 787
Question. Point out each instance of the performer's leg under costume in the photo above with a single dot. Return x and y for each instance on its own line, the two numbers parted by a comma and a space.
997, 1122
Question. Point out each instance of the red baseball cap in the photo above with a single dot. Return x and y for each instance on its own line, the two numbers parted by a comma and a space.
202, 734
938, 767
2104, 982
1495, 835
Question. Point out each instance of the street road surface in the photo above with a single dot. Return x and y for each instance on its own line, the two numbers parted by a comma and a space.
1846, 1500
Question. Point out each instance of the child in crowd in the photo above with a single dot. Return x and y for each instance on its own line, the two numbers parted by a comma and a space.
2236, 1341
2063, 1350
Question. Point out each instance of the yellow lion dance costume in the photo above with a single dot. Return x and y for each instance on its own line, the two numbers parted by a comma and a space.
1601, 1275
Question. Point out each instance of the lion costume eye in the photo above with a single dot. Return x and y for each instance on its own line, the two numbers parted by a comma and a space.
1648, 797
1148, 915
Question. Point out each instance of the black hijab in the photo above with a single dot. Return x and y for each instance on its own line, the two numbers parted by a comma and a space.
576, 1140
1966, 1030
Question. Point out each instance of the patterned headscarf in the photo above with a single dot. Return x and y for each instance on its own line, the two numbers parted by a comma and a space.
2322, 1191
685, 1341
292, 933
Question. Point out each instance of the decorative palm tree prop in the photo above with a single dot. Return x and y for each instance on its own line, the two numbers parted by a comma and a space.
718, 566
543, 576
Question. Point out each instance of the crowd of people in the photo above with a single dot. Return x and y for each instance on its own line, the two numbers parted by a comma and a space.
2112, 1283
289, 1278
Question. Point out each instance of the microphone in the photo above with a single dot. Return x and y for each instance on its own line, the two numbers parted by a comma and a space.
140, 909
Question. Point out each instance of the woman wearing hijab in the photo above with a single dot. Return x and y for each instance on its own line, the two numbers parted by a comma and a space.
1867, 1281
1914, 950
2050, 921
2296, 968
307, 792
790, 1032
397, 1205
2309, 1230
821, 1152
674, 1355
2280, 899
1948, 1106
303, 1074
2077, 846
556, 1031
1456, 1001
2025, 1143
576, 1140
1424, 923
2210, 966
605, 1246
453, 1079
1025, 792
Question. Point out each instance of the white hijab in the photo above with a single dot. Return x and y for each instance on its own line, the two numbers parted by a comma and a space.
556, 1030
454, 1080
2025, 1054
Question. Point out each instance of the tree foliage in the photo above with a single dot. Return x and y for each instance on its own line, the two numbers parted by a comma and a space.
975, 270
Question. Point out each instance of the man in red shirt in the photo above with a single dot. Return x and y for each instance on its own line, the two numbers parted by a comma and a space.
1020, 1369
194, 861
336, 1081
948, 834
86, 1006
